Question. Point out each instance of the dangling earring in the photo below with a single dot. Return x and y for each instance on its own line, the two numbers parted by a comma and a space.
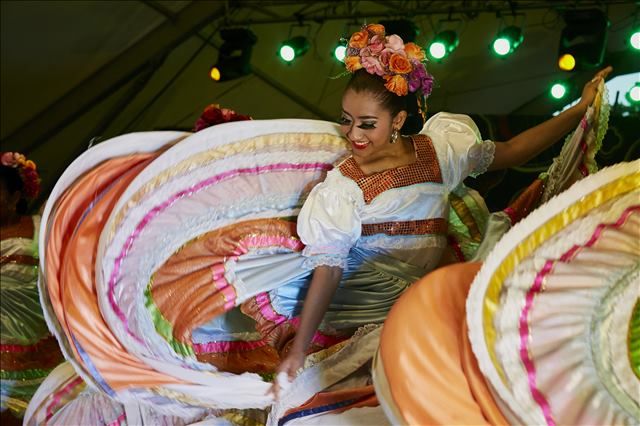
394, 136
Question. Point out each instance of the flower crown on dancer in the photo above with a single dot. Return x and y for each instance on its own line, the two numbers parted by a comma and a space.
26, 170
402, 65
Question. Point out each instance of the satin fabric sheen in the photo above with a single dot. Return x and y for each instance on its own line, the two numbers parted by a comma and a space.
431, 373
77, 303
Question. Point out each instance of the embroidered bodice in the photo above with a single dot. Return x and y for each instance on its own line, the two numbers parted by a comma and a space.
401, 212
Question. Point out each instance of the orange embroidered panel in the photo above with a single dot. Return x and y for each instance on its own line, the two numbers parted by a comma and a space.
425, 169
411, 227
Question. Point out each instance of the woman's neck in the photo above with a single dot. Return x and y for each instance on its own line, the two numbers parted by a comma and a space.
399, 154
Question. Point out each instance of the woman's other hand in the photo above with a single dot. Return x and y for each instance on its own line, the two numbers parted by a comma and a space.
288, 369
591, 88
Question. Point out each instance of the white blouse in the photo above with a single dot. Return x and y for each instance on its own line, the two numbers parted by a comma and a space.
406, 221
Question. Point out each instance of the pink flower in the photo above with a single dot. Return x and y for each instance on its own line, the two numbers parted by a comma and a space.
384, 56
376, 44
373, 65
365, 52
395, 43
7, 159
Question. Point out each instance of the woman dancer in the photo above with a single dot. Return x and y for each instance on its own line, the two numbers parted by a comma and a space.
28, 351
395, 186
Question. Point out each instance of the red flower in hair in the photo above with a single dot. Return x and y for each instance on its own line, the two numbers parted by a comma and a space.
213, 115
26, 170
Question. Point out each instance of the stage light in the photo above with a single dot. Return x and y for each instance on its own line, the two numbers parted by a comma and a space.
293, 48
234, 54
634, 40
633, 95
507, 40
215, 73
443, 44
567, 62
558, 90
406, 29
340, 51
584, 37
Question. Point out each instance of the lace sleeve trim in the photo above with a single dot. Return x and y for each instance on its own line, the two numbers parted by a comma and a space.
482, 157
313, 262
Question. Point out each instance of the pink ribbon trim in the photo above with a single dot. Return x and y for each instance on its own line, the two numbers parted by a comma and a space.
57, 396
536, 288
151, 214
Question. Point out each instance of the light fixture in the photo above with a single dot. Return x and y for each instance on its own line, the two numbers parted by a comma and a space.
293, 48
584, 37
406, 29
507, 40
634, 39
567, 62
558, 90
633, 95
443, 44
234, 55
340, 50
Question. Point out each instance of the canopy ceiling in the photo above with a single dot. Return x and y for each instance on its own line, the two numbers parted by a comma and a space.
74, 70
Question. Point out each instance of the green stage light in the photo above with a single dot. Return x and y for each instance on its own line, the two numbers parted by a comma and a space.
633, 95
293, 48
340, 51
443, 44
558, 91
507, 40
634, 40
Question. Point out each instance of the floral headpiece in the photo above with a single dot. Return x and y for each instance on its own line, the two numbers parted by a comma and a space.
213, 115
26, 170
401, 65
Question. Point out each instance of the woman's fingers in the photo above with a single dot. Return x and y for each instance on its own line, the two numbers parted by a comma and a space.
602, 74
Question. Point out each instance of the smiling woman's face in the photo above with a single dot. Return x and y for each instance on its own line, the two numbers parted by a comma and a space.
365, 123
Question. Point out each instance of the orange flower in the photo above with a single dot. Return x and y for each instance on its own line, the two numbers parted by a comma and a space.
397, 84
399, 64
353, 63
375, 29
414, 51
30, 164
359, 39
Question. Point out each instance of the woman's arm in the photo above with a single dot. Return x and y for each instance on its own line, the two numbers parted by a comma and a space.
323, 285
533, 141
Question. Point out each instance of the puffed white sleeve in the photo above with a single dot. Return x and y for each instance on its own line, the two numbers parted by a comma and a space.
329, 222
460, 148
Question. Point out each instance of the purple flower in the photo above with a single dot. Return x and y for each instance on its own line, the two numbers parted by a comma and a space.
427, 85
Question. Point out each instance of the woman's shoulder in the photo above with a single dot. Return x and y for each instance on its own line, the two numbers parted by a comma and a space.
450, 124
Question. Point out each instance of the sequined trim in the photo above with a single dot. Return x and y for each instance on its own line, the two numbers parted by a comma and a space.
410, 227
425, 169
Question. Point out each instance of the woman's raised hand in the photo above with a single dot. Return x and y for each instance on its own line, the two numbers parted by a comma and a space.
591, 88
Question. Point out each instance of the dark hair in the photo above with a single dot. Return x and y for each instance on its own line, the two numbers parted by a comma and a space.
11, 178
362, 81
